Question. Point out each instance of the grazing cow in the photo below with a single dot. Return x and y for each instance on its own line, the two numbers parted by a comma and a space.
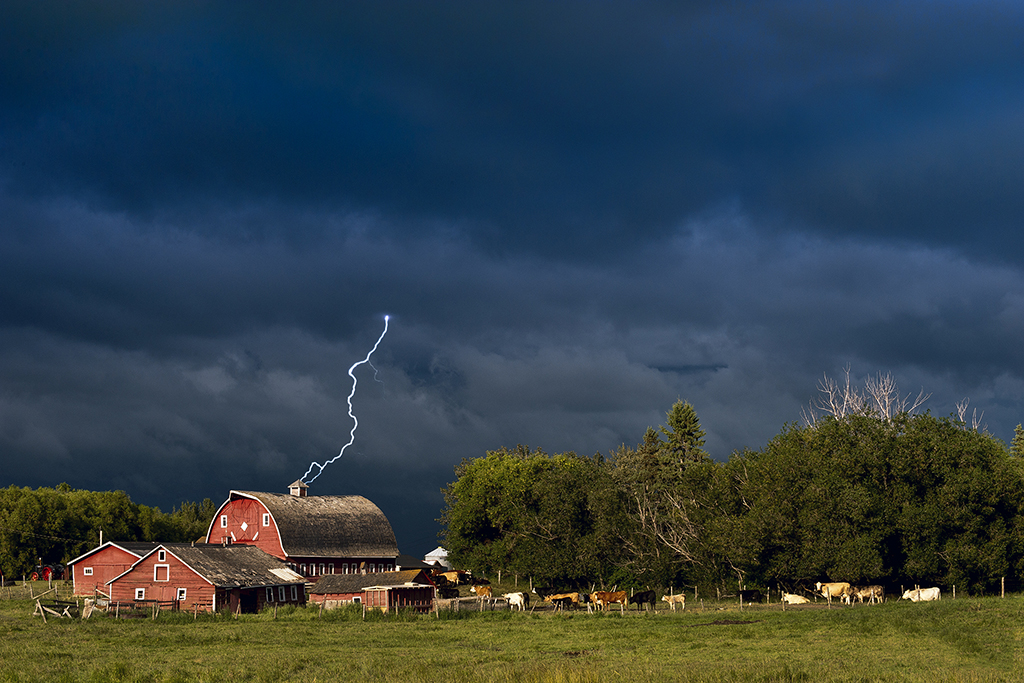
563, 600
481, 591
834, 590
869, 593
922, 594
674, 600
447, 592
643, 598
517, 600
605, 598
751, 596
544, 591
792, 599
457, 577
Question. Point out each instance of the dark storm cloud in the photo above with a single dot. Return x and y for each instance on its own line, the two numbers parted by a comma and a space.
540, 125
576, 213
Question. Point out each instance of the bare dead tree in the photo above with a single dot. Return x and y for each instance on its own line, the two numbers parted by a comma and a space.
886, 398
961, 411
880, 397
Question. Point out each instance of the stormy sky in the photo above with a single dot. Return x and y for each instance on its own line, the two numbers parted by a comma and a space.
575, 213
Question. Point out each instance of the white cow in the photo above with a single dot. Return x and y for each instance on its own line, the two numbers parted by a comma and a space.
516, 600
793, 599
674, 600
834, 590
922, 594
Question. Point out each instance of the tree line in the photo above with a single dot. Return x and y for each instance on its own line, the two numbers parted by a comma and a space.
862, 496
55, 525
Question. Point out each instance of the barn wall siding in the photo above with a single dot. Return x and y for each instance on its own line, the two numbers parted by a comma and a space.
179, 575
247, 513
106, 564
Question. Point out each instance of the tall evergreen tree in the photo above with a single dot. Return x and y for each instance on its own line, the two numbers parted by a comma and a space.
685, 437
1017, 444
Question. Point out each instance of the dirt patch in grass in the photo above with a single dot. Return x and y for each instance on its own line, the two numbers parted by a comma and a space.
723, 622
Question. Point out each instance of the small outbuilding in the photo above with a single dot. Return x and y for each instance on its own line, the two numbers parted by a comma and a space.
411, 588
92, 570
438, 557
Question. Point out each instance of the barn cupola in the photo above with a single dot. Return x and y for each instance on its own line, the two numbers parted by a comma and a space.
298, 488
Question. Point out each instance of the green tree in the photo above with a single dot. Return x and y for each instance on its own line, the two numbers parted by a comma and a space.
1017, 444
58, 524
863, 498
531, 514
668, 485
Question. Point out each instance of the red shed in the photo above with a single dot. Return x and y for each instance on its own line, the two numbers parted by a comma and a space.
209, 577
315, 535
95, 568
338, 589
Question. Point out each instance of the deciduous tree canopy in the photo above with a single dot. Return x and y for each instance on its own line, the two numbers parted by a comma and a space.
864, 497
58, 524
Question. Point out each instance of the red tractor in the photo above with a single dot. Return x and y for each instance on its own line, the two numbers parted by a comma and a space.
48, 572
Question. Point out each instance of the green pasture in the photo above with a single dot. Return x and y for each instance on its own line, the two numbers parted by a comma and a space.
967, 639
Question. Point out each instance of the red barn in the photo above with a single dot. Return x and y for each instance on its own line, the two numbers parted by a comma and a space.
209, 577
315, 535
95, 568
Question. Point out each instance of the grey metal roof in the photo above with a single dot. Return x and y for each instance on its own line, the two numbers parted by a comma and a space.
235, 566
353, 583
328, 526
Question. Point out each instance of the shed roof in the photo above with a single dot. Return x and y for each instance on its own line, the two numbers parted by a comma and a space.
235, 566
354, 583
136, 548
328, 526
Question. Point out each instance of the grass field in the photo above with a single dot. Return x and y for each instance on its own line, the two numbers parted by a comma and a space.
953, 640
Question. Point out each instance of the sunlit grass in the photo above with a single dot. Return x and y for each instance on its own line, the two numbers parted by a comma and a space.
965, 640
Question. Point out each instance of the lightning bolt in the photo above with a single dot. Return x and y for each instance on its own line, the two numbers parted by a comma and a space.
355, 422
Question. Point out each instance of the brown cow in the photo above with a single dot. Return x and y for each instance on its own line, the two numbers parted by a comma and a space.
605, 598
481, 591
563, 600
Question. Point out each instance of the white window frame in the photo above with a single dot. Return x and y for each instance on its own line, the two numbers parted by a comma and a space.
86, 571
302, 568
157, 568
266, 519
161, 555
295, 593
281, 595
182, 592
140, 593
270, 594
330, 568
322, 569
223, 521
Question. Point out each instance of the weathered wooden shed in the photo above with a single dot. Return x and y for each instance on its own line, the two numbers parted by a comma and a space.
407, 596
209, 577
315, 535
411, 588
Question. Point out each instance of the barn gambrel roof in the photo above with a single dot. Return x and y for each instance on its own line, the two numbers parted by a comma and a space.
328, 526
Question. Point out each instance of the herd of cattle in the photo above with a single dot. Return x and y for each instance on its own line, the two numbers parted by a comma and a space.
448, 582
